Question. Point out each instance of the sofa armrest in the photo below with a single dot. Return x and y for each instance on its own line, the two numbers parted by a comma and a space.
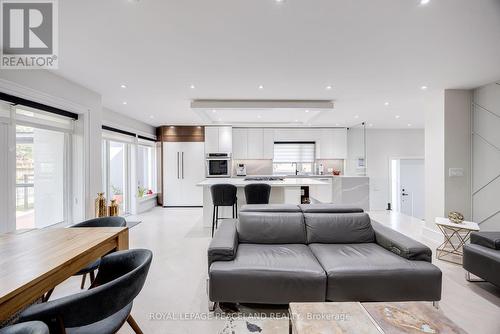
400, 244
224, 244
486, 239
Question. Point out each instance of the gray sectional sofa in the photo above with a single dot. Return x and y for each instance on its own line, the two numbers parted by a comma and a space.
277, 254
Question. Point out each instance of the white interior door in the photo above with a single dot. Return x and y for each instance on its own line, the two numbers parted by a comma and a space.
411, 187
172, 185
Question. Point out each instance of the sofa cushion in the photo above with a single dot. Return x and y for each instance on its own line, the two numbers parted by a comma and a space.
483, 262
340, 228
486, 239
329, 208
368, 272
269, 274
270, 208
271, 228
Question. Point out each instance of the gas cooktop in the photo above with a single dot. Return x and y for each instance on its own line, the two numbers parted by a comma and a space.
264, 178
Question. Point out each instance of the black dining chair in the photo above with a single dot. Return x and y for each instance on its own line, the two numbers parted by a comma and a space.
223, 195
30, 327
103, 308
257, 193
97, 222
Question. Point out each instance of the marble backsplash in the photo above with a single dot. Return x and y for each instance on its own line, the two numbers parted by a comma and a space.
265, 167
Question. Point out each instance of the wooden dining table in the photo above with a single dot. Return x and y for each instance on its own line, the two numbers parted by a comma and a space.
33, 263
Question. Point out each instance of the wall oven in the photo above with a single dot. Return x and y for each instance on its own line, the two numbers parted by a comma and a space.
218, 164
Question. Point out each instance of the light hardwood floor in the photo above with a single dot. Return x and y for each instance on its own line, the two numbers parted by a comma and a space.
176, 283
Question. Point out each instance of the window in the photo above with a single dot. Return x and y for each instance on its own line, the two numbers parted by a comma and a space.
116, 159
42, 160
293, 157
146, 170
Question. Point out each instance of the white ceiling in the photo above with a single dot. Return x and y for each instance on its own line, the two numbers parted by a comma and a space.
370, 52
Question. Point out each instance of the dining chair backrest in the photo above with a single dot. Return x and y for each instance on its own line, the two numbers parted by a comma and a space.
103, 222
120, 278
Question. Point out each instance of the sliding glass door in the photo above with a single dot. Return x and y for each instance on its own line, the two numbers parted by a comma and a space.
116, 173
41, 171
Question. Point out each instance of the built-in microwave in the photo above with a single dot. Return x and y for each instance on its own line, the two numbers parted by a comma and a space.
218, 164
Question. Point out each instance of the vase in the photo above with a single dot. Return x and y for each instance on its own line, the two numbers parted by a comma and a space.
113, 208
100, 205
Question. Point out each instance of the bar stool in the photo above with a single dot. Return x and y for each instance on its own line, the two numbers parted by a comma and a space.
257, 193
223, 195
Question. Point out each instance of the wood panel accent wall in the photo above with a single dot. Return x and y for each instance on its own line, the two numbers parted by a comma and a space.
176, 133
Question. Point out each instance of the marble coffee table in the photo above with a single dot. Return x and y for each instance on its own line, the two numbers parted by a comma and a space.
369, 318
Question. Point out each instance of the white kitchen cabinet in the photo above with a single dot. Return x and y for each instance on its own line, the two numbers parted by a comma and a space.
268, 144
255, 143
225, 139
218, 139
331, 144
240, 140
322, 193
183, 168
298, 134
211, 139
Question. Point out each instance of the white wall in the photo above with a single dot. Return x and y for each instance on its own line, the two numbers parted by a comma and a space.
381, 146
486, 157
120, 121
457, 150
434, 164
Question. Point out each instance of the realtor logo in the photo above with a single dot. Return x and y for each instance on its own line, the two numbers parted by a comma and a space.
29, 34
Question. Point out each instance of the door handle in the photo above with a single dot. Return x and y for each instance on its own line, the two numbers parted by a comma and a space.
183, 165
178, 169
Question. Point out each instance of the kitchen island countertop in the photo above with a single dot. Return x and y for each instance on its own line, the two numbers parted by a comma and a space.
287, 182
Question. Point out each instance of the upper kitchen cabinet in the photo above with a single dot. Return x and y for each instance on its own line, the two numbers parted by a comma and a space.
240, 143
253, 143
268, 144
218, 139
331, 144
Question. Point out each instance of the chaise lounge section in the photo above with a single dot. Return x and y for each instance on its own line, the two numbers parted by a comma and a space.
277, 254
482, 256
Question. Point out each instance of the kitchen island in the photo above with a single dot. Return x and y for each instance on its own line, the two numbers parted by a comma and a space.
286, 191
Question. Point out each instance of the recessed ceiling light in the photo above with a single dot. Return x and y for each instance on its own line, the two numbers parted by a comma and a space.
386, 104
409, 124
424, 88
296, 121
356, 117
279, 1
307, 111
337, 124
171, 126
397, 116
192, 86
328, 87
214, 111
261, 87
124, 102
123, 86
424, 2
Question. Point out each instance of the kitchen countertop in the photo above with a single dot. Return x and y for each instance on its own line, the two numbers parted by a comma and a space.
287, 182
305, 176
